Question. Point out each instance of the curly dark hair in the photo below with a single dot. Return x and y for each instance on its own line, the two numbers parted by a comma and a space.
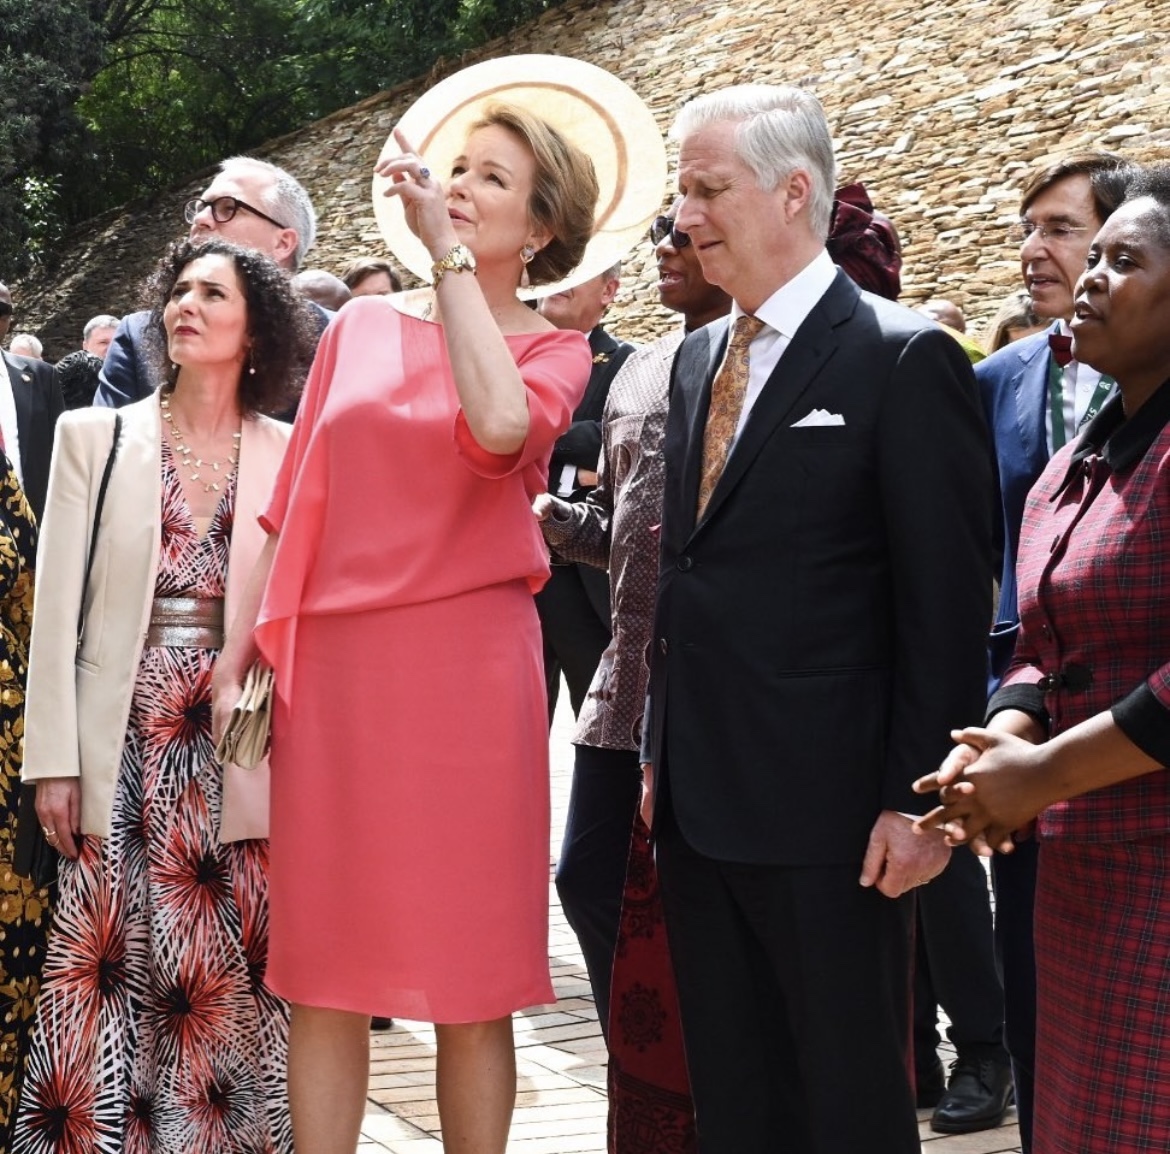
282, 329
77, 374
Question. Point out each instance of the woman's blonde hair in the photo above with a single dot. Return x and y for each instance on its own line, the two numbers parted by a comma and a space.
564, 191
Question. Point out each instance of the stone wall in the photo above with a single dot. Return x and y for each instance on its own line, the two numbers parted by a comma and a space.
939, 106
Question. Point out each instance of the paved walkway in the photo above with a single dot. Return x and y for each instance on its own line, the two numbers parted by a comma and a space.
561, 1106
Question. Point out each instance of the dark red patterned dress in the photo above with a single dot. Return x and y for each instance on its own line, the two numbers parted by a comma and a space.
154, 1030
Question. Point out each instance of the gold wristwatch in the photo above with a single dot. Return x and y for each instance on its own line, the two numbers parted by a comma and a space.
459, 257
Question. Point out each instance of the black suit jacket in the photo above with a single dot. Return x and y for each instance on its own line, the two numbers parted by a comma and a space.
580, 444
38, 405
822, 629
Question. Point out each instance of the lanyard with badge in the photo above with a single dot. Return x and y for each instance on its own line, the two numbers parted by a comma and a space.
1056, 402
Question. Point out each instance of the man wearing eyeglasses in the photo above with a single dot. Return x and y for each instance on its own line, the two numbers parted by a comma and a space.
30, 404
251, 203
1037, 397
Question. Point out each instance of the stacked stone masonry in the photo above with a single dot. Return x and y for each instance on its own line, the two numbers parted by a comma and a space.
939, 106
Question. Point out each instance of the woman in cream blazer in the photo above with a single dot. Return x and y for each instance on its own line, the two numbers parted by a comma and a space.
82, 735
154, 1028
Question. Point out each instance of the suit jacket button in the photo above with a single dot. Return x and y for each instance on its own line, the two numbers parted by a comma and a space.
662, 646
684, 564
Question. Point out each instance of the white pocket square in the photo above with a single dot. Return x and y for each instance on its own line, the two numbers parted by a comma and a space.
818, 418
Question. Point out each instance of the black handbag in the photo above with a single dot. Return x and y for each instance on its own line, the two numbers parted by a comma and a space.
32, 856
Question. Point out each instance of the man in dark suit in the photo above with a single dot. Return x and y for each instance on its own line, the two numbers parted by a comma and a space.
30, 404
574, 604
251, 203
1037, 398
820, 627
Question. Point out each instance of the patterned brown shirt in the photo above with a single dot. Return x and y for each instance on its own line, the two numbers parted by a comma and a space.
612, 529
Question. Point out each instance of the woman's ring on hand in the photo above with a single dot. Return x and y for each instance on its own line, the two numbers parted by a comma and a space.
48, 832
424, 173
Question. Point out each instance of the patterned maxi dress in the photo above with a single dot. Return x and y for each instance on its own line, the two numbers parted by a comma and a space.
24, 908
154, 1029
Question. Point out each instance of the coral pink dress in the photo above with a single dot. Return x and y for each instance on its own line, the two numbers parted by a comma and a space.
410, 810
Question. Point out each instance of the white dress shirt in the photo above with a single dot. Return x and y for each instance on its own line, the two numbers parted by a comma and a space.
1080, 383
782, 313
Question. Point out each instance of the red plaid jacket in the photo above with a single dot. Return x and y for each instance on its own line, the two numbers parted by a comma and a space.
1094, 579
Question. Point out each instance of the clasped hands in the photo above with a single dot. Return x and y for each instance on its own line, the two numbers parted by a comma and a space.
990, 786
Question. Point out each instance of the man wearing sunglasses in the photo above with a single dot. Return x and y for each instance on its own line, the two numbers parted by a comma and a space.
251, 203
613, 528
29, 408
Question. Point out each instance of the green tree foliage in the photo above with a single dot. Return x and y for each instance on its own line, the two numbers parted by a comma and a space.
48, 51
103, 102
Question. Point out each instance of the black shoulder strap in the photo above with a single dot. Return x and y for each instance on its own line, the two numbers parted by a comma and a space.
97, 518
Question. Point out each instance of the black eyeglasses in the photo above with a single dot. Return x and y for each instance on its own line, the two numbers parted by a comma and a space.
223, 208
663, 227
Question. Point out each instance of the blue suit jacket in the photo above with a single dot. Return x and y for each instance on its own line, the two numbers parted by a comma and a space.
1013, 385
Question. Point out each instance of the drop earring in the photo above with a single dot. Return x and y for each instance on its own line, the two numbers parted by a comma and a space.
526, 255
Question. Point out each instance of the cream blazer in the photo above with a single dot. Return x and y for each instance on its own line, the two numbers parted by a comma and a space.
78, 699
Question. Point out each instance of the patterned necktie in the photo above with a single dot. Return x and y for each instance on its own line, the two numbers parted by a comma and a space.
727, 394
1061, 347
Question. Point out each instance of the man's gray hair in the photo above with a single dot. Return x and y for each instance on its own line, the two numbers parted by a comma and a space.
103, 321
286, 200
781, 129
26, 345
614, 272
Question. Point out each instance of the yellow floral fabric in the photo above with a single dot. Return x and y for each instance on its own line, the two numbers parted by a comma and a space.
24, 908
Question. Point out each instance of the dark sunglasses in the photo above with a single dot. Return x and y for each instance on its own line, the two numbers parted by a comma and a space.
223, 208
5, 309
663, 227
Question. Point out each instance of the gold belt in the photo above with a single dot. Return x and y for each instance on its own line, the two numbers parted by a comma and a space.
186, 622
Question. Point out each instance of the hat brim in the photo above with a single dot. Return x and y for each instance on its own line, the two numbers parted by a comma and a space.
592, 108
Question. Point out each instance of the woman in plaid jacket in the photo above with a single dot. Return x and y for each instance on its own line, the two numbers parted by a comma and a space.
1079, 732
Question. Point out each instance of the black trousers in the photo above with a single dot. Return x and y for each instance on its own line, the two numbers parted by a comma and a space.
591, 871
955, 964
1014, 875
794, 989
574, 621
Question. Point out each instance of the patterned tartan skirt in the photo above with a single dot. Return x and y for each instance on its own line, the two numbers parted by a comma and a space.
1103, 998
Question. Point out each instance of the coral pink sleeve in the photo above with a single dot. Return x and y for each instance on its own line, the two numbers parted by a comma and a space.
555, 371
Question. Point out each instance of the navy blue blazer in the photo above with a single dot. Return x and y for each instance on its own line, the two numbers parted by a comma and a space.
1013, 386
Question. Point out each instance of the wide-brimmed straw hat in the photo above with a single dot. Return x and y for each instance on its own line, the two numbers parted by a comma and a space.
592, 108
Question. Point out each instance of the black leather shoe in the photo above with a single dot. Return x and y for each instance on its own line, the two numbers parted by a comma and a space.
979, 1092
381, 1023
929, 1085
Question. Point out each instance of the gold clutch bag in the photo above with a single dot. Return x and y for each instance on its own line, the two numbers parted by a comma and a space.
245, 740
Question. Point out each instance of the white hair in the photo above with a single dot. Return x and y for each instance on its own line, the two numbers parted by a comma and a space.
286, 200
780, 129
26, 345
103, 321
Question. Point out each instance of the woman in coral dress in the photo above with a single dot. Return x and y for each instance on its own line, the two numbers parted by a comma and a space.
410, 745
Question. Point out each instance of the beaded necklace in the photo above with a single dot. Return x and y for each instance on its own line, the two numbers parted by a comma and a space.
192, 463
